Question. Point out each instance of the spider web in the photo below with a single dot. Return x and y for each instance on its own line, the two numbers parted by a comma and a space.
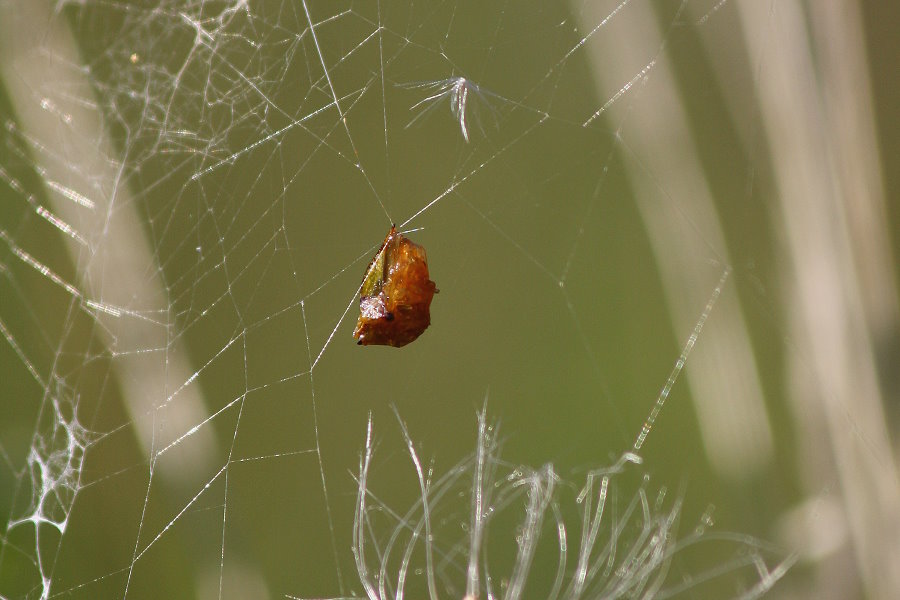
192, 191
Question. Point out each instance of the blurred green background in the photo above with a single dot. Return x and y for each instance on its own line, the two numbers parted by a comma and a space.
191, 193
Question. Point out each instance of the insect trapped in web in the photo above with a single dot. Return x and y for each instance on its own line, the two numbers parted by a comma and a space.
395, 295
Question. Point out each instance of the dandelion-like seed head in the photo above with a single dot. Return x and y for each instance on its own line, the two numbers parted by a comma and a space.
457, 90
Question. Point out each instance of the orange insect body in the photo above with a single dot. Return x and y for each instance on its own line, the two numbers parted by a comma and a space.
395, 296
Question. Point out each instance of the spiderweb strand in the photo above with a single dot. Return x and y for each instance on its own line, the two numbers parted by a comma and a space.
679, 364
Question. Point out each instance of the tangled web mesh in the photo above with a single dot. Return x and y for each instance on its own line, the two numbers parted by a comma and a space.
191, 193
